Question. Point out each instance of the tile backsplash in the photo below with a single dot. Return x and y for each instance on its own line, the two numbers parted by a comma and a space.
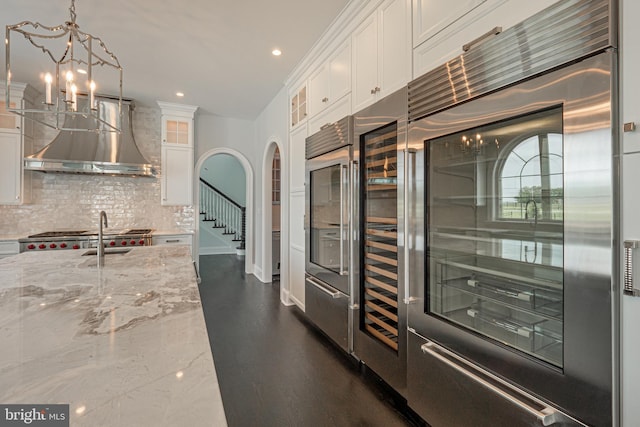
68, 201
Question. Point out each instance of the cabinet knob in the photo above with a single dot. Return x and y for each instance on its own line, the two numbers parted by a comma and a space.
325, 99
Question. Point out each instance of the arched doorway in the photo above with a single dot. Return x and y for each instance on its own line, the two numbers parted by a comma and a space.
248, 173
275, 234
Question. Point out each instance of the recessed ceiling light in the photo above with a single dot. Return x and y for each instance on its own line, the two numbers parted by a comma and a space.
179, 94
276, 52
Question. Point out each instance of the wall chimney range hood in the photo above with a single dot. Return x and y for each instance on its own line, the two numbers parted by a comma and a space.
99, 152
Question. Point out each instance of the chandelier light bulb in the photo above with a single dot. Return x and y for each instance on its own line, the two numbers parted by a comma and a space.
47, 86
68, 86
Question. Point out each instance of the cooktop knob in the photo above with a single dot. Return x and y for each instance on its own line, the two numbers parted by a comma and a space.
112, 243
133, 242
76, 246
141, 242
31, 246
124, 243
63, 245
42, 246
53, 246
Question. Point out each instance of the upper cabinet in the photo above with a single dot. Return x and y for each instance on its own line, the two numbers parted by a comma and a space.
381, 53
16, 140
177, 154
299, 105
331, 81
432, 16
442, 27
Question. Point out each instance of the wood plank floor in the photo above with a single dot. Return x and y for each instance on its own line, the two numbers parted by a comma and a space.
274, 368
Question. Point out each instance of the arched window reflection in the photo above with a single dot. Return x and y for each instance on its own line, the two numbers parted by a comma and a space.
531, 180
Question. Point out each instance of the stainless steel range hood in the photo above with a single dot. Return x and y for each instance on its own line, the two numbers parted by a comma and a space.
109, 153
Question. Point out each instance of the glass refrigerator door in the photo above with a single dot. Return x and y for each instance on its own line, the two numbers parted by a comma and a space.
326, 218
495, 232
379, 287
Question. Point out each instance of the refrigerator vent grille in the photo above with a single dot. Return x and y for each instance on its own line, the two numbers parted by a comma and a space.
563, 33
330, 137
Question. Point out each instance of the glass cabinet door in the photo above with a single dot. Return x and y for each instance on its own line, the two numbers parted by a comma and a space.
495, 232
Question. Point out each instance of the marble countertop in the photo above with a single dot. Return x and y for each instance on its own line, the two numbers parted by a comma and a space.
125, 344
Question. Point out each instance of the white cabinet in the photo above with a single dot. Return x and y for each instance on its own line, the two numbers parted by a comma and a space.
381, 53
15, 142
442, 27
432, 16
338, 110
170, 238
297, 159
331, 81
9, 248
177, 154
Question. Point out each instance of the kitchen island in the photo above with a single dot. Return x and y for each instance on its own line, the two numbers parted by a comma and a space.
125, 344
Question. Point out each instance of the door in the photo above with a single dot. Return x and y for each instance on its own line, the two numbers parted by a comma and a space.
514, 277
327, 243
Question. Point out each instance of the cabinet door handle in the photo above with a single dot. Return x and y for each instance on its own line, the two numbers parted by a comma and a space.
494, 32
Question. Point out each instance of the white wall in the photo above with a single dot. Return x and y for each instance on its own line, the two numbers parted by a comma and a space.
272, 126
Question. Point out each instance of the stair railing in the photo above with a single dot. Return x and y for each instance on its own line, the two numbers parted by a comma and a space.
225, 214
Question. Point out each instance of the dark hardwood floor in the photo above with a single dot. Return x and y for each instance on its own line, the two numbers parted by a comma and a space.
274, 368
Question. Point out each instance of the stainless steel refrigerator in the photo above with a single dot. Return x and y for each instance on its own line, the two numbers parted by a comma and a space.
512, 313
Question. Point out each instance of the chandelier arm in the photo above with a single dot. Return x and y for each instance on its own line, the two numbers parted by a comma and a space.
27, 35
115, 64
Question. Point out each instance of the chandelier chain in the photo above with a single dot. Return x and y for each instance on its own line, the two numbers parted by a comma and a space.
72, 11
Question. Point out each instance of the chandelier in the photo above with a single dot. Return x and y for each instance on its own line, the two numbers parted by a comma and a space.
72, 65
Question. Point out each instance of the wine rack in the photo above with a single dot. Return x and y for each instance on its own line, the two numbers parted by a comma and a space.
379, 287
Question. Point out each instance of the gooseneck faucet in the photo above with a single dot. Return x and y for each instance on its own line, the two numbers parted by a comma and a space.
535, 212
103, 216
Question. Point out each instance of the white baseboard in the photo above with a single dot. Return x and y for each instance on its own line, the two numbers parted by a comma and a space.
297, 302
284, 298
257, 271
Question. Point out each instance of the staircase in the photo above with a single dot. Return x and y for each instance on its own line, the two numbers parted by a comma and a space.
222, 214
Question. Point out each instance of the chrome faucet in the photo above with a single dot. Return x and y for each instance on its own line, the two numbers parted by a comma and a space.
103, 216
535, 212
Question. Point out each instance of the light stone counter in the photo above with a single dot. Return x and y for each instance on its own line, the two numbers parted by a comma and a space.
123, 345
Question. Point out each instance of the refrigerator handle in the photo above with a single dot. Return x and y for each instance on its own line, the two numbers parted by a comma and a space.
344, 219
629, 289
409, 180
324, 288
353, 239
547, 415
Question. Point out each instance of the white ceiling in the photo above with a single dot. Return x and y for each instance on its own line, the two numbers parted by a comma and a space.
217, 52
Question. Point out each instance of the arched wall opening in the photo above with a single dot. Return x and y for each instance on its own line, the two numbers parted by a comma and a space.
248, 172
